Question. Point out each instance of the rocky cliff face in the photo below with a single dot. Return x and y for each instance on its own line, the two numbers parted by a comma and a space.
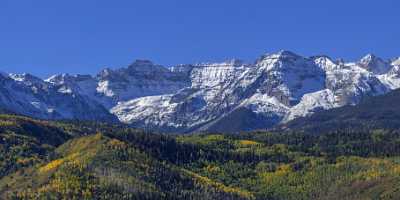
232, 95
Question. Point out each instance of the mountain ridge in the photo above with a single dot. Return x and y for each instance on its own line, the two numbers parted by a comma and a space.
380, 112
276, 88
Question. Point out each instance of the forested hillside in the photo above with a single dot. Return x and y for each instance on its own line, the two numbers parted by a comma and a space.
60, 160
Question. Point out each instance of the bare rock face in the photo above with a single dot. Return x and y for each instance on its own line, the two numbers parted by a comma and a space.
374, 64
232, 95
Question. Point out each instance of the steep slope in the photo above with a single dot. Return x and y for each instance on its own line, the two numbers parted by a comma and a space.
54, 160
85, 97
346, 84
392, 78
218, 89
25, 142
277, 88
374, 64
99, 167
119, 164
141, 78
27, 95
375, 112
189, 107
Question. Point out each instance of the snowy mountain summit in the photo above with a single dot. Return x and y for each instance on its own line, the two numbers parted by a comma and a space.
229, 96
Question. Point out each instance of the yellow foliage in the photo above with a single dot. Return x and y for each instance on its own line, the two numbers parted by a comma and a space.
281, 171
212, 168
372, 168
215, 137
117, 144
7, 123
56, 163
208, 182
87, 146
396, 170
372, 174
248, 143
25, 161
52, 165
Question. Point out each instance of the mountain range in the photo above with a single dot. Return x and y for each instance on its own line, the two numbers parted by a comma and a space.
231, 96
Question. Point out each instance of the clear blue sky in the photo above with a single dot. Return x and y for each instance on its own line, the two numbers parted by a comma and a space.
44, 37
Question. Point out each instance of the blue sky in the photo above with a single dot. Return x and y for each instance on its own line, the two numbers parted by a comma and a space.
44, 37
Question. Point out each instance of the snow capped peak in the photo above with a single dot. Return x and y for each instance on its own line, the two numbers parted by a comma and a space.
59, 79
374, 64
392, 78
55, 78
325, 62
396, 61
145, 66
320, 57
228, 63
278, 86
370, 59
25, 77
283, 54
369, 56
28, 80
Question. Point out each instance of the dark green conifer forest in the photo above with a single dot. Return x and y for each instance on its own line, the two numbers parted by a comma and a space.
83, 160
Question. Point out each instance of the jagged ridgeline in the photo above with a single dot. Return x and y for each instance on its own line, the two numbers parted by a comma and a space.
65, 160
275, 88
380, 112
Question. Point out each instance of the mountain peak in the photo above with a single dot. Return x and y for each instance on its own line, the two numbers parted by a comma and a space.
320, 56
141, 65
369, 58
25, 77
287, 53
231, 63
65, 77
197, 96
374, 64
282, 54
396, 61
57, 78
